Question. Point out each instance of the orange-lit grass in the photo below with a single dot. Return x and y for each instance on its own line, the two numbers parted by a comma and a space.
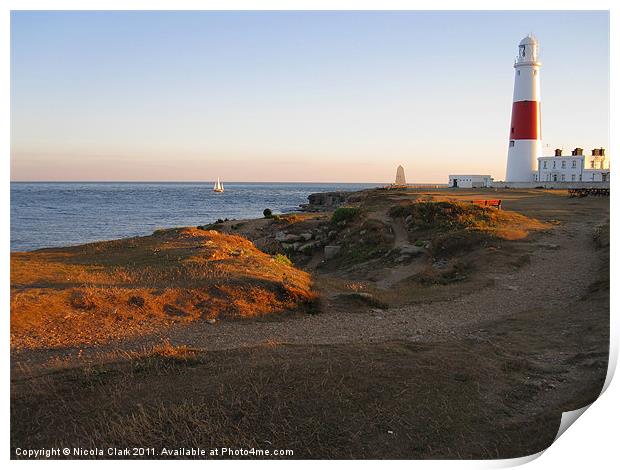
113, 290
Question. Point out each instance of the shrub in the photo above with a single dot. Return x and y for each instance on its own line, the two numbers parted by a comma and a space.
345, 213
267, 213
282, 259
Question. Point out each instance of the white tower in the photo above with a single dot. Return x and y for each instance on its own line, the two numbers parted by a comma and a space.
525, 144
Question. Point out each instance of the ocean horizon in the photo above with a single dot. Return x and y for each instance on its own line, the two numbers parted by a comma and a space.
49, 214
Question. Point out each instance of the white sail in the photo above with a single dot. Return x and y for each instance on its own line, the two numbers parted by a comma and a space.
218, 187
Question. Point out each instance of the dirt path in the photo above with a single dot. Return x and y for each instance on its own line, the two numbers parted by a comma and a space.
550, 280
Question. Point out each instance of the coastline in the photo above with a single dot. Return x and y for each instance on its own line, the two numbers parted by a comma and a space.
406, 300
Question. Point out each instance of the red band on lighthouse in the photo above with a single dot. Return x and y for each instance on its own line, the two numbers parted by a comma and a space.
525, 123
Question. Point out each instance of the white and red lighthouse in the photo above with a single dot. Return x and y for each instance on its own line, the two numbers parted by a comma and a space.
525, 129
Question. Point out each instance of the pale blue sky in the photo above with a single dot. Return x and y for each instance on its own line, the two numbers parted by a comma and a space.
292, 96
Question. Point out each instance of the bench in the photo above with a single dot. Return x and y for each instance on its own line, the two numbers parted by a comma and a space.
488, 203
584, 192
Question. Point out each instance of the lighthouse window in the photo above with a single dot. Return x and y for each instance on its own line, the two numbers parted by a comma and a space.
518, 72
512, 143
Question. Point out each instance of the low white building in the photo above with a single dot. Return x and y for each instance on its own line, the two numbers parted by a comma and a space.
470, 181
574, 167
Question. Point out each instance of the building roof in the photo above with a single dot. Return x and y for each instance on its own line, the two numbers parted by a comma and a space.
529, 39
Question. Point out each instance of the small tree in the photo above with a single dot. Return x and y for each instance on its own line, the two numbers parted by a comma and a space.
267, 213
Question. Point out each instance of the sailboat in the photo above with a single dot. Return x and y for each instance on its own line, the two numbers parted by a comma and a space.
218, 187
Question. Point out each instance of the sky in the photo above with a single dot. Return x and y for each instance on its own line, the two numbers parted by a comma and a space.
293, 96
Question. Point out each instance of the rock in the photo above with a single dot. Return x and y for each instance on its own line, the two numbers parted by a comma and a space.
408, 219
329, 199
306, 236
283, 237
331, 251
411, 250
440, 264
136, 301
211, 321
362, 233
307, 247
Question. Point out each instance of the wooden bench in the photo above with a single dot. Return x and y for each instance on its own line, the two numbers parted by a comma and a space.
488, 203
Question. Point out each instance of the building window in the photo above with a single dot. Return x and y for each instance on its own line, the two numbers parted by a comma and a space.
574, 163
535, 177
554, 164
562, 176
579, 177
572, 177
563, 164
545, 165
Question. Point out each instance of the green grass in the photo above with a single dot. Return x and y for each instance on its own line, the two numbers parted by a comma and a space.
345, 214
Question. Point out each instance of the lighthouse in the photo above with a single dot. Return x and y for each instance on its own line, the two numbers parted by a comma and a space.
525, 144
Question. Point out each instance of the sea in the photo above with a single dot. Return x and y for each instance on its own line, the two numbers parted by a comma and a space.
60, 214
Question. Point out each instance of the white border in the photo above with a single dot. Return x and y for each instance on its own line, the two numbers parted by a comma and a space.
591, 443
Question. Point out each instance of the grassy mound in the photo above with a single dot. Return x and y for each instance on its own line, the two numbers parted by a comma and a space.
455, 226
119, 289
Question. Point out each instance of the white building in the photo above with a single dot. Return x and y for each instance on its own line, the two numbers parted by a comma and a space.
469, 181
574, 167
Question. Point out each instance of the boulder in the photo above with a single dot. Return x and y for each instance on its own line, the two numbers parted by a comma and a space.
307, 247
305, 236
283, 237
411, 250
331, 251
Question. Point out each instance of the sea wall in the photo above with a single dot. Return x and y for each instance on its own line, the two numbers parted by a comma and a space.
551, 185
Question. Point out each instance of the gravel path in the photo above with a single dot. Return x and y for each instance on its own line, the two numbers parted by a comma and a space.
550, 279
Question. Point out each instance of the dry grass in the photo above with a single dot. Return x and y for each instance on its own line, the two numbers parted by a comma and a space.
99, 292
446, 216
466, 399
